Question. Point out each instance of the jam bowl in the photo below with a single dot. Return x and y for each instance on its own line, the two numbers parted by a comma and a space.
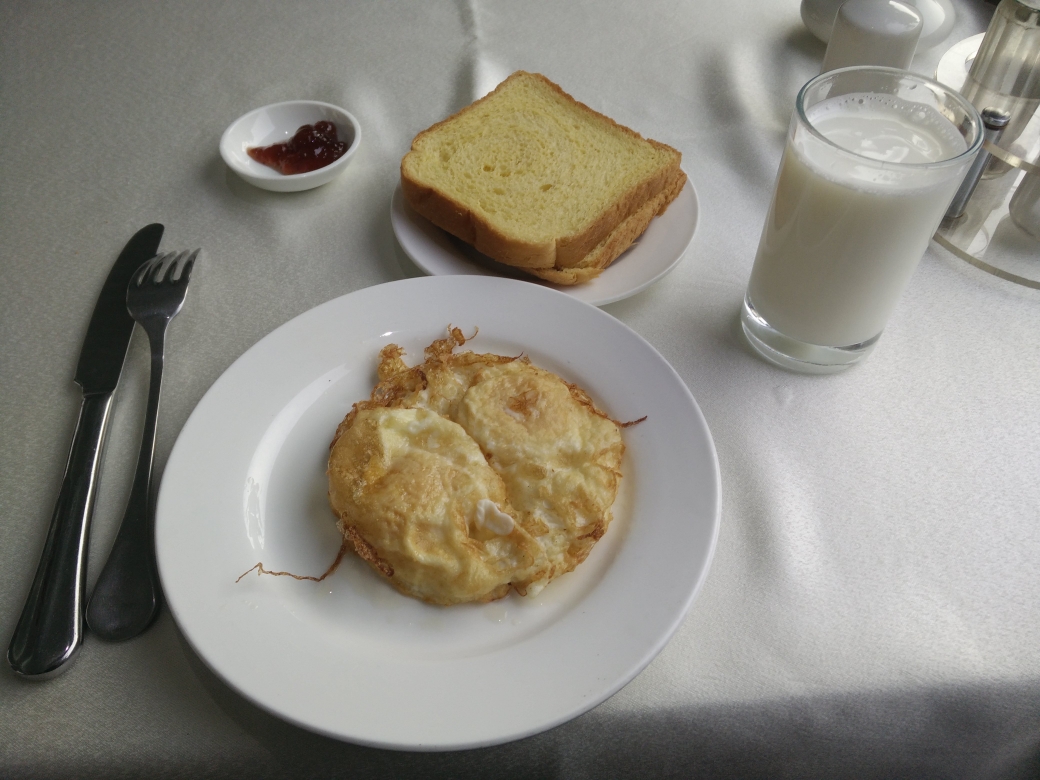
278, 124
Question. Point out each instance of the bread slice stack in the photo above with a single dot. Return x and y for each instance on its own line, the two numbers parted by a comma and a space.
536, 180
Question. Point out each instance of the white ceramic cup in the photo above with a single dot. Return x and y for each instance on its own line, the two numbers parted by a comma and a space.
939, 18
873, 32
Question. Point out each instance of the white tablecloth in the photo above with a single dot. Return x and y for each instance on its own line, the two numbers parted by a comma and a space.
872, 606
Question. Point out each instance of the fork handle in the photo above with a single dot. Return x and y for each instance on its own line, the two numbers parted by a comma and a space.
50, 629
127, 597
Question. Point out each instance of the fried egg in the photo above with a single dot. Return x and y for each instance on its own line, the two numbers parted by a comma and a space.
472, 474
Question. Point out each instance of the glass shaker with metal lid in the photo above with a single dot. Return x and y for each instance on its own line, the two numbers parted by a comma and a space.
1006, 72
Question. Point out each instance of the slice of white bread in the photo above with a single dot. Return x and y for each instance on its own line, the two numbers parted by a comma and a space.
536, 180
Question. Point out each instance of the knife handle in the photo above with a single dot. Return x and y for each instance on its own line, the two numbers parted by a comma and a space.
50, 630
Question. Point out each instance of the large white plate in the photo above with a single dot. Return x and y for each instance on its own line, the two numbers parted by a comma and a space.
350, 657
653, 254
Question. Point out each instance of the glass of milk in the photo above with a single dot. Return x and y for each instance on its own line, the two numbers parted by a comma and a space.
873, 159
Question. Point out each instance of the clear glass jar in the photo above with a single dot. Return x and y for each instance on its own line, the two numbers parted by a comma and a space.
1006, 70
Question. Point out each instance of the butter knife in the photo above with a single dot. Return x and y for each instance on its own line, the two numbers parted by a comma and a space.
50, 630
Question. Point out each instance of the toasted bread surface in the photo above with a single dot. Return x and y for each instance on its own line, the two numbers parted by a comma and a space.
536, 180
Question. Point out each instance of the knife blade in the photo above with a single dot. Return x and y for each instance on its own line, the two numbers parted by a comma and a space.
50, 629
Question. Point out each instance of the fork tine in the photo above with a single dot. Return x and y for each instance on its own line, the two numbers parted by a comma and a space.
146, 268
172, 268
155, 270
160, 268
140, 272
185, 273
164, 274
166, 269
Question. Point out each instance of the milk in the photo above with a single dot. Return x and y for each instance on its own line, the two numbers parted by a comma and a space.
844, 234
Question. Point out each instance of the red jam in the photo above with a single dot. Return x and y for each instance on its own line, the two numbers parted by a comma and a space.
313, 147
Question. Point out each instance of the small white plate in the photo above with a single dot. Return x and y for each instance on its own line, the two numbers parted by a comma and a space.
953, 67
278, 123
350, 657
653, 254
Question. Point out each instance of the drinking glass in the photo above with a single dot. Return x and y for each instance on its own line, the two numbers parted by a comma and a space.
873, 159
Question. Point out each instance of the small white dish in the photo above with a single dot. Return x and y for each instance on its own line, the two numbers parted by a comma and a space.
278, 123
954, 65
653, 255
352, 658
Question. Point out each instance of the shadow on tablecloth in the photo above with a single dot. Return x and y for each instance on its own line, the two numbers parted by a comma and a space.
968, 731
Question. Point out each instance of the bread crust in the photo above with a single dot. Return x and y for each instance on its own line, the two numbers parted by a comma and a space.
620, 239
567, 259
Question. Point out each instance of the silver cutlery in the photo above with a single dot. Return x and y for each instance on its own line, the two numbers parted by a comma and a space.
127, 596
50, 629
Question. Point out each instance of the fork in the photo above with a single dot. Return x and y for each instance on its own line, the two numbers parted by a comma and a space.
127, 596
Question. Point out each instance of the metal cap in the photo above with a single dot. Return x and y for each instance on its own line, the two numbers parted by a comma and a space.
995, 118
